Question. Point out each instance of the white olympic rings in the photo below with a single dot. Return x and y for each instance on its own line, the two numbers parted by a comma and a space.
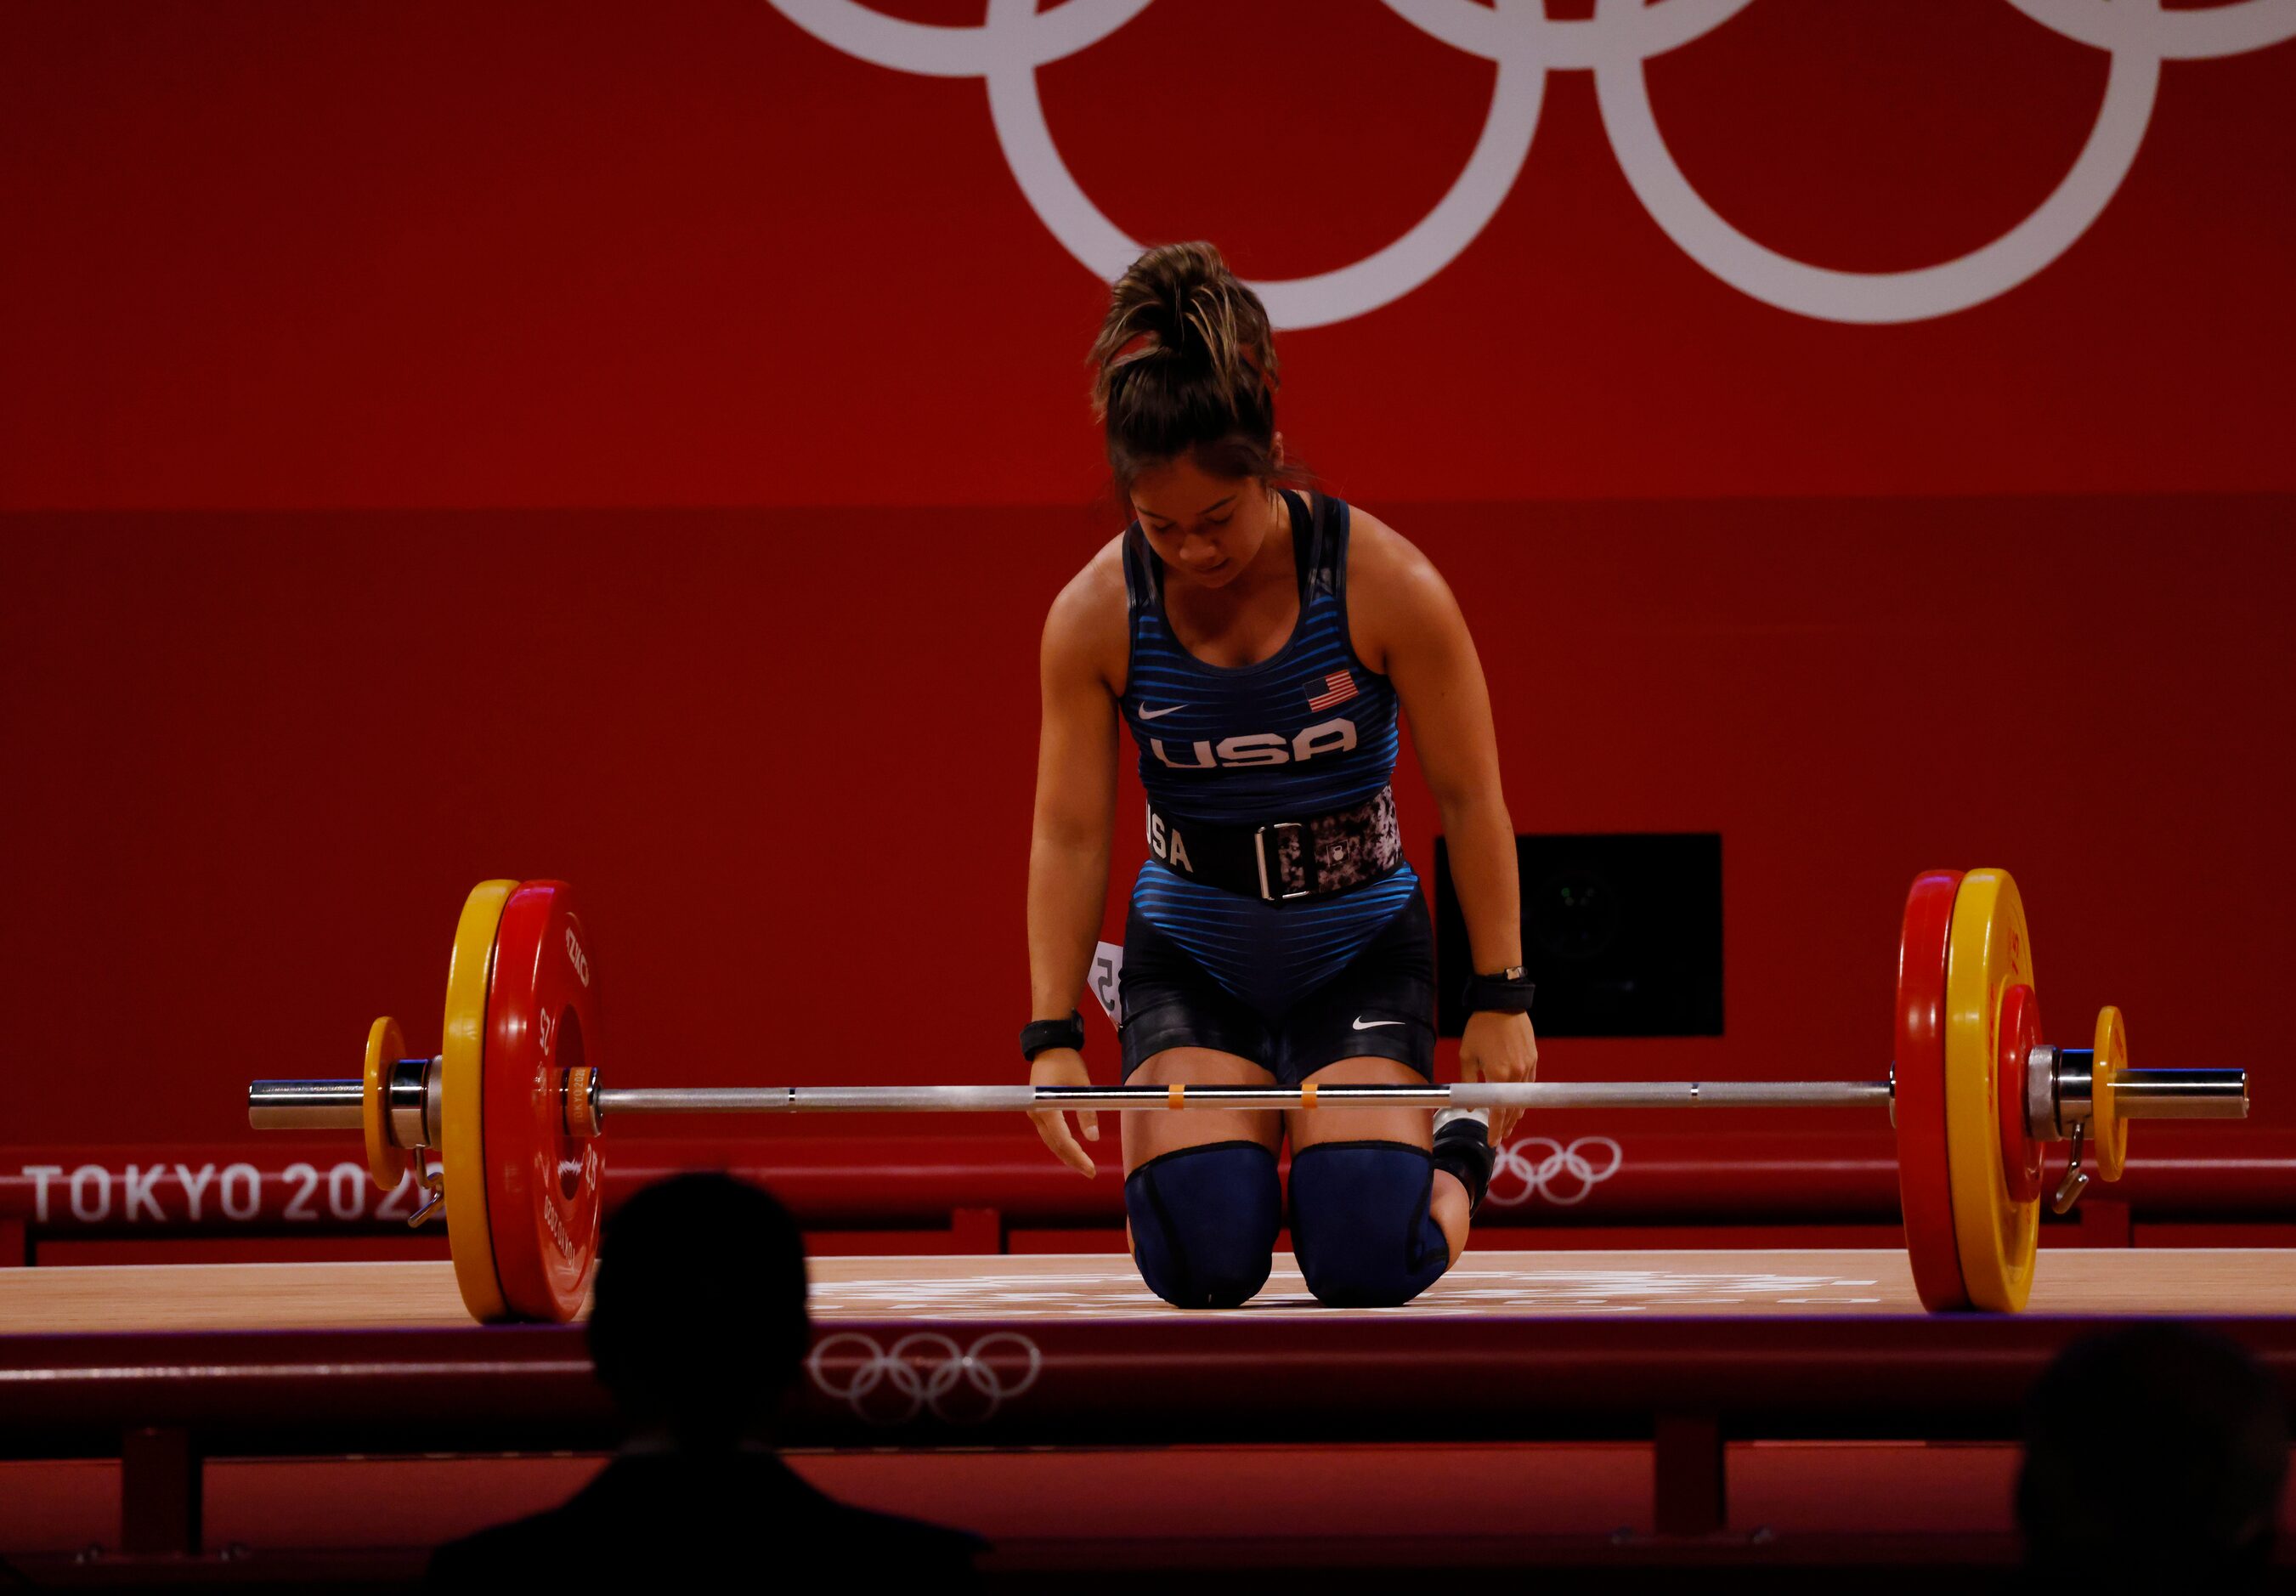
1546, 1176
924, 1371
1525, 44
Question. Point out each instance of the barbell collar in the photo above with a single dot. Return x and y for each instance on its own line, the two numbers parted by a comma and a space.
2041, 1122
413, 1120
2071, 1075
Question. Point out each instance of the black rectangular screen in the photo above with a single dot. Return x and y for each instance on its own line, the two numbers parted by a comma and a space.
1622, 933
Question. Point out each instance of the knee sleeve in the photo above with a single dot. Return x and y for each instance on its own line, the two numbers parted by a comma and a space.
1360, 1227
1204, 1222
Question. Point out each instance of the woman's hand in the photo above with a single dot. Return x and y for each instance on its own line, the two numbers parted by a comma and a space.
1064, 1066
1496, 1046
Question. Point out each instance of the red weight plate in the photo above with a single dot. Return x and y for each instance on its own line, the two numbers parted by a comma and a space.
2020, 1033
1923, 1184
542, 1184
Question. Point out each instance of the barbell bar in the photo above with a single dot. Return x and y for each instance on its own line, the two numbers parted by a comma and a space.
2147, 1094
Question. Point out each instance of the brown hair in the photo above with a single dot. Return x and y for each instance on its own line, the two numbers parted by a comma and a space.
1186, 365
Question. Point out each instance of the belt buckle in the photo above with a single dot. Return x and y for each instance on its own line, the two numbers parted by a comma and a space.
1260, 851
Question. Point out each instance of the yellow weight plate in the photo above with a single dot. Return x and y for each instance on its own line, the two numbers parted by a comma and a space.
386, 1164
2106, 1128
1989, 952
462, 1149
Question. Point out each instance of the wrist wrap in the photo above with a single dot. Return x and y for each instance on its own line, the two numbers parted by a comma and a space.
1497, 994
1038, 1035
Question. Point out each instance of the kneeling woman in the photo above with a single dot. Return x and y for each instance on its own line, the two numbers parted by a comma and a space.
1258, 641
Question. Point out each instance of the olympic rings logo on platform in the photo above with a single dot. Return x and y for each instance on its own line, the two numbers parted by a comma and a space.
1565, 1176
924, 1372
1526, 44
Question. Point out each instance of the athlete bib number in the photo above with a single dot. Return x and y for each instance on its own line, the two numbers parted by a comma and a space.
1107, 969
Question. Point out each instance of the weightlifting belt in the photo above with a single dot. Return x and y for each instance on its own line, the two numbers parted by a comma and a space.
1284, 860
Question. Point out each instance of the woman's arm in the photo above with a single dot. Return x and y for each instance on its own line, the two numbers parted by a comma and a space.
1071, 838
1407, 625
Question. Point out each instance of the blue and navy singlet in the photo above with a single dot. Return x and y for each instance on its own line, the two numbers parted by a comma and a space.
1308, 730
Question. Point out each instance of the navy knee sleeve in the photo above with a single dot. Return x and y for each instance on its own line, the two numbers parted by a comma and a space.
1360, 1227
1204, 1222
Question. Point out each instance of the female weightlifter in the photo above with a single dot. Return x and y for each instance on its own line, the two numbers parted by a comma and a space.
1258, 640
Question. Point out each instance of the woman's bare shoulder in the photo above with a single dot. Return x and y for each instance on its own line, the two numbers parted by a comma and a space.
1086, 620
1389, 579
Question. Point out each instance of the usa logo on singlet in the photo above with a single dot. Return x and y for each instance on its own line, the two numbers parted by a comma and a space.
1261, 748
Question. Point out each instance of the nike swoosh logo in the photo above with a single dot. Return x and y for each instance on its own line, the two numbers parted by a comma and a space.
1364, 1025
1160, 714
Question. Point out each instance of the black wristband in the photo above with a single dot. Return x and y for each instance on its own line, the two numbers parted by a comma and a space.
1506, 993
1038, 1035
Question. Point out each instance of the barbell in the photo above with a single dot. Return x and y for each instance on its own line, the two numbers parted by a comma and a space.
513, 1108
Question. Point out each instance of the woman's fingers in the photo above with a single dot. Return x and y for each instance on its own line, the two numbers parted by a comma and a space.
1500, 1048
1064, 1066
1052, 1125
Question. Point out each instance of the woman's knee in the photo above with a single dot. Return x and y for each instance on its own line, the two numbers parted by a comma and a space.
1360, 1226
1204, 1221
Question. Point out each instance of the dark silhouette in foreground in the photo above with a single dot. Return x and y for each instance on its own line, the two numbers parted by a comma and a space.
698, 1327
2155, 1457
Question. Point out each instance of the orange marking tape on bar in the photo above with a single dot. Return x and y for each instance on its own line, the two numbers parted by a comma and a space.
1175, 1097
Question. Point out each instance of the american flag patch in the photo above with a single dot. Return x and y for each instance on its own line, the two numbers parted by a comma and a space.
1338, 688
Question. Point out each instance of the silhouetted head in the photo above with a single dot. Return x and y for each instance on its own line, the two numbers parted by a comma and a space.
698, 1319
2155, 1457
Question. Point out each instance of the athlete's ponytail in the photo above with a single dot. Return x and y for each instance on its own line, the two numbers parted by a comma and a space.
1186, 365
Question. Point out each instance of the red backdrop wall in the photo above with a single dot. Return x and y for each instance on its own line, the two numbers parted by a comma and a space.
349, 357
389, 252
